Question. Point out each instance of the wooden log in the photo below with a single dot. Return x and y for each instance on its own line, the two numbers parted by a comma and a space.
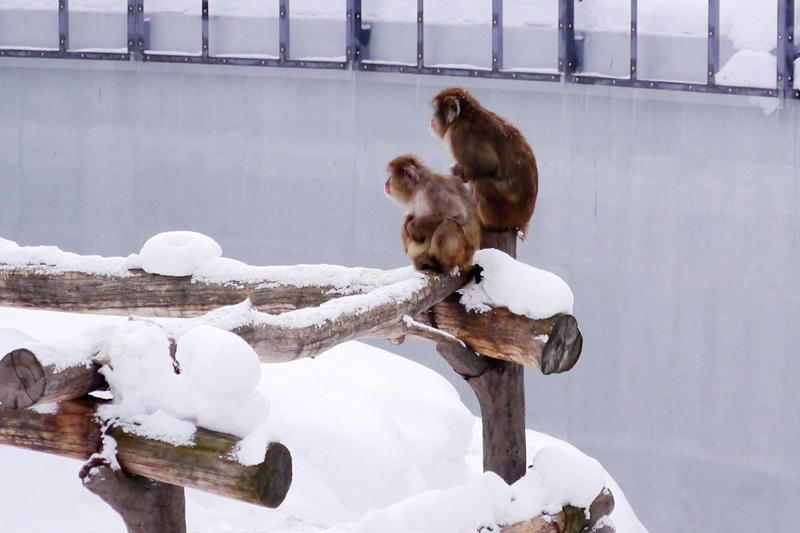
70, 431
25, 381
552, 344
145, 505
154, 295
205, 466
377, 314
73, 432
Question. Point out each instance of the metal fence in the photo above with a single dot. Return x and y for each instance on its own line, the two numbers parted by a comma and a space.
358, 36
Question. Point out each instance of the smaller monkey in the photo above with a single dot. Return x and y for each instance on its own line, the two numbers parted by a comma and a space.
441, 230
492, 156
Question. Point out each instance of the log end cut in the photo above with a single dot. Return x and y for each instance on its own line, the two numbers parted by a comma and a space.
563, 346
22, 379
274, 476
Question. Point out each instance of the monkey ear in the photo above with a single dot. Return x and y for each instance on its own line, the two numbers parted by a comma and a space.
453, 108
411, 172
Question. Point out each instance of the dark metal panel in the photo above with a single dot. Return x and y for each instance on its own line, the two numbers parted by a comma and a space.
420, 33
786, 51
283, 30
204, 26
634, 72
566, 38
63, 26
376, 66
672, 86
497, 35
713, 40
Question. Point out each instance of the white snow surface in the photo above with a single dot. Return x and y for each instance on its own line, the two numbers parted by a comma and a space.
379, 443
523, 289
177, 253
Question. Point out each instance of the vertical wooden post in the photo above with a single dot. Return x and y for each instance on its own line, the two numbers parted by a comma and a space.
501, 395
500, 389
145, 505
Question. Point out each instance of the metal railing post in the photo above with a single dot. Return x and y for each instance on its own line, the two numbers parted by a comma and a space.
497, 35
713, 40
566, 38
420, 33
634, 73
204, 25
786, 51
63, 26
354, 29
283, 31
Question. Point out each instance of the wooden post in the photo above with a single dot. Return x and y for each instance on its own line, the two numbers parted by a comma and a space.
501, 395
145, 505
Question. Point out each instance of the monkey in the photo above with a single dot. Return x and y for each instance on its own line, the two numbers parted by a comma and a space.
492, 156
441, 230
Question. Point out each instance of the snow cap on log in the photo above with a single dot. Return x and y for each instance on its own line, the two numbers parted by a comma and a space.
522, 289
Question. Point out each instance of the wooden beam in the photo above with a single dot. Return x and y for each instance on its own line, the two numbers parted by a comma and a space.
153, 295
205, 465
552, 344
25, 381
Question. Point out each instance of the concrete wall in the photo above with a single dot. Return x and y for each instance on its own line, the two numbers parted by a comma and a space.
673, 217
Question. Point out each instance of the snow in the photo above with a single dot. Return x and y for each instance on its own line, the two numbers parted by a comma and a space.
177, 253
523, 289
379, 443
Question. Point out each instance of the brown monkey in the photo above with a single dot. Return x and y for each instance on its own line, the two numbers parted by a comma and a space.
492, 156
441, 229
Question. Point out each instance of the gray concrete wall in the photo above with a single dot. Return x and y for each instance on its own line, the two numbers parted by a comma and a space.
673, 217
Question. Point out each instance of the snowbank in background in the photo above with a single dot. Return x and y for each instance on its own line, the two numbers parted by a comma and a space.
748, 68
523, 289
379, 444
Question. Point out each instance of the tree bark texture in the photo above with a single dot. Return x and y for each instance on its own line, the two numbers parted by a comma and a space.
25, 381
145, 505
501, 396
205, 465
154, 295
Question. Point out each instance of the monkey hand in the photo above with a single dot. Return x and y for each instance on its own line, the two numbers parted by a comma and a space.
457, 171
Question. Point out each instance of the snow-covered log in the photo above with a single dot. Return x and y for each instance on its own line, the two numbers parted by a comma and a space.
25, 380
572, 519
552, 344
71, 429
135, 292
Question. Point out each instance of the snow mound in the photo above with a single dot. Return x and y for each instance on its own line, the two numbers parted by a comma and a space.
6, 245
521, 288
220, 372
177, 253
12, 339
567, 477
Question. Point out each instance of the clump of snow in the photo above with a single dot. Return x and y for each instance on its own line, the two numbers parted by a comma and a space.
177, 253
521, 288
220, 371
566, 477
45, 408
